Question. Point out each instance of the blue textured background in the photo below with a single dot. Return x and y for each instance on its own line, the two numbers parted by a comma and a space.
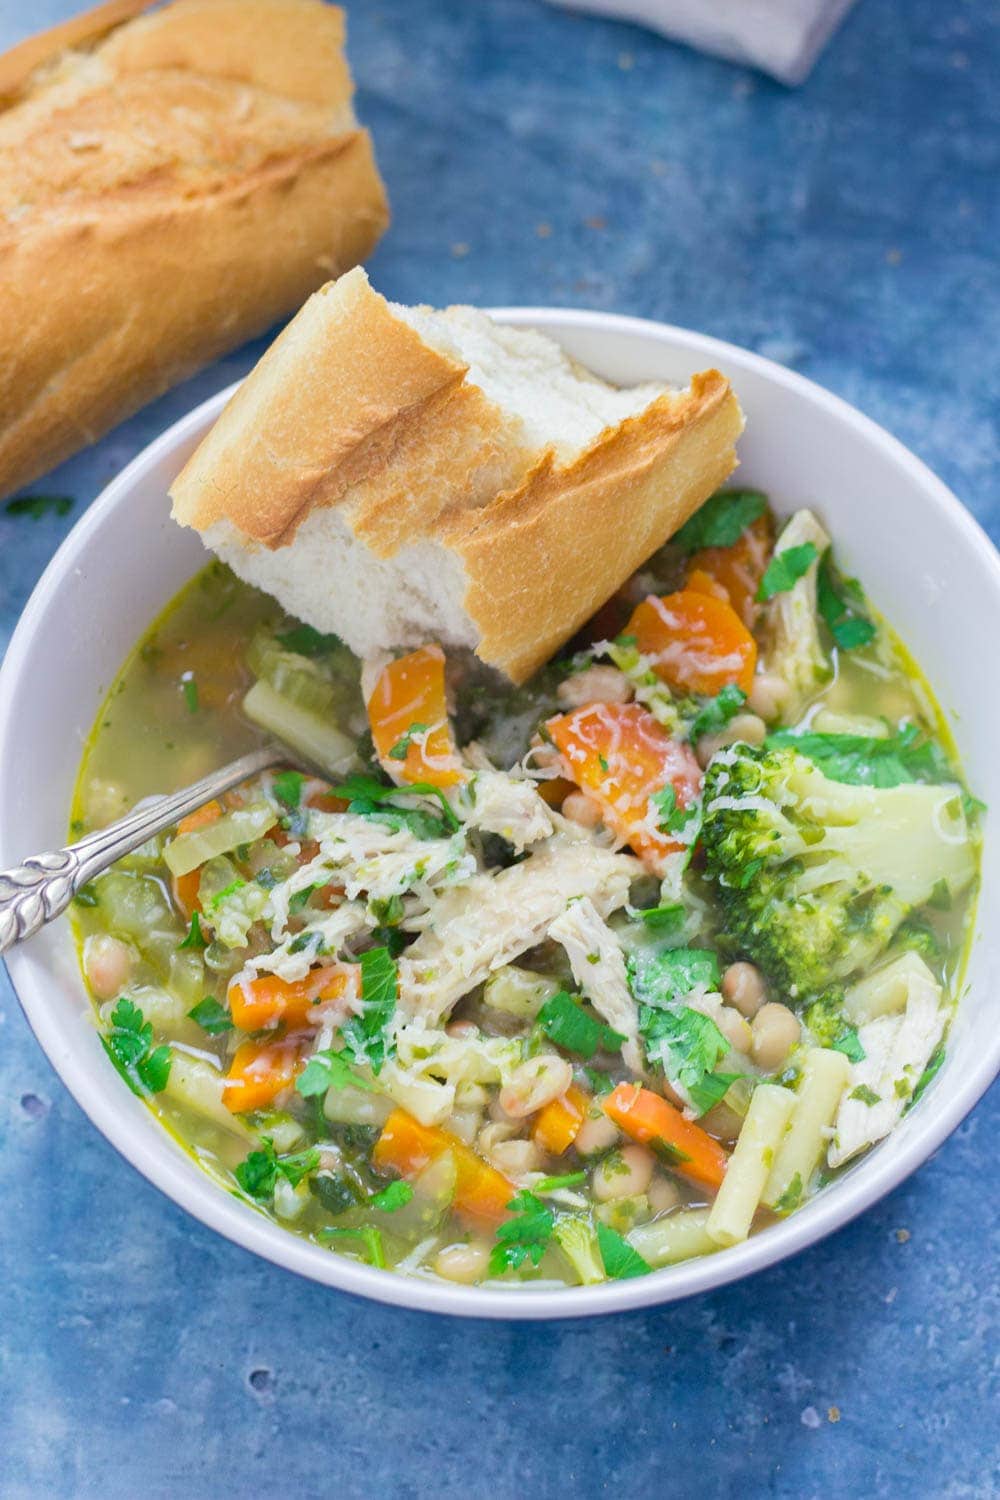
850, 230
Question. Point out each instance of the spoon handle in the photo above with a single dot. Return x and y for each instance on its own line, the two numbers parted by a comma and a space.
41, 888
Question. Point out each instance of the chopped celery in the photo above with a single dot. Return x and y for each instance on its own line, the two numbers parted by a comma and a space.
321, 742
241, 826
134, 906
297, 678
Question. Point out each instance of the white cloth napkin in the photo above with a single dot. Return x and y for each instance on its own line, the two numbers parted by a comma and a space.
781, 37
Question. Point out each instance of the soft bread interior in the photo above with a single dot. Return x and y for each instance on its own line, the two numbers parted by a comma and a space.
395, 475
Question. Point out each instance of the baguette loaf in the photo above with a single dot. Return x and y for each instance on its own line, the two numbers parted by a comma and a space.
169, 187
397, 475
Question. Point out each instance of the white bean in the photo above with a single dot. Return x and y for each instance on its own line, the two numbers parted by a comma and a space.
600, 684
580, 808
775, 1029
107, 963
623, 1174
463, 1263
535, 1083
743, 987
597, 1133
663, 1194
735, 1029
745, 729
768, 695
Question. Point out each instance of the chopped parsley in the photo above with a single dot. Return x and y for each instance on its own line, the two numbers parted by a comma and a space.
128, 1043
305, 641
565, 1022
195, 938
329, 1070
87, 895
369, 1237
722, 520
716, 712
401, 748
933, 1066
371, 799
299, 900
554, 1184
258, 1173
525, 1236
37, 506
659, 978
395, 1196
366, 1036
620, 1261
690, 1047
869, 760
287, 787
211, 1016
664, 918
791, 1197
864, 1095
841, 603
785, 569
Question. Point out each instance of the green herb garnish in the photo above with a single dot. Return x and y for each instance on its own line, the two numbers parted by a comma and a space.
195, 938
620, 1261
329, 1070
258, 1173
211, 1016
395, 1196
128, 1043
722, 520
565, 1022
401, 748
785, 569
524, 1237
366, 1036
841, 603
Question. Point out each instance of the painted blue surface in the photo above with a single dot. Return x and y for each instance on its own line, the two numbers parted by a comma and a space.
850, 230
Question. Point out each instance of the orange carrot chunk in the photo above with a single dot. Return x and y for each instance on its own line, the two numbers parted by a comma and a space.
409, 720
407, 1147
185, 887
268, 999
557, 1124
737, 569
620, 756
259, 1072
696, 643
680, 1143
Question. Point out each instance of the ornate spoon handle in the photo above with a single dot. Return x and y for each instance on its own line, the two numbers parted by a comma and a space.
40, 889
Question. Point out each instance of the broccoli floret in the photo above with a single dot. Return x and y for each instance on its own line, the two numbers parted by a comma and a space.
792, 646
815, 876
575, 1237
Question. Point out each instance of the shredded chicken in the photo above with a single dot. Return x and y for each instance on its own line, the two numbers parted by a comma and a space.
598, 965
492, 919
897, 1050
498, 803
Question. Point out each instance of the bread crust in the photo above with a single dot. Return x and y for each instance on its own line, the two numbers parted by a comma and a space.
543, 558
164, 197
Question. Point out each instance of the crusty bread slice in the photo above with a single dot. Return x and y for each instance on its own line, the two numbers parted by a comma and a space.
169, 186
398, 474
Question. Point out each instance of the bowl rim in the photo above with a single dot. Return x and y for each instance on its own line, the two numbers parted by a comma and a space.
168, 1169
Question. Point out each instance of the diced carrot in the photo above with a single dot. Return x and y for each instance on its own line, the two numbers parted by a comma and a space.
259, 1072
268, 999
210, 812
680, 1143
407, 1147
557, 1124
409, 716
618, 754
738, 569
703, 583
696, 643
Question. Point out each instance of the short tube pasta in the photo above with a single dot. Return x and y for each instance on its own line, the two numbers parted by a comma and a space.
678, 1237
764, 1127
824, 1077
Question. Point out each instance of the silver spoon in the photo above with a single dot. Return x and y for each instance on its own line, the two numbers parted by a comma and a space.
40, 889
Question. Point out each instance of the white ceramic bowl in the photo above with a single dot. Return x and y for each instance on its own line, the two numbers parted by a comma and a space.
925, 563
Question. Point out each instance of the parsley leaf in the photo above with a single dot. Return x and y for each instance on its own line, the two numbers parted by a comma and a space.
664, 918
329, 1070
36, 506
299, 900
790, 1199
525, 1236
672, 818
128, 1043
258, 1173
566, 1023
785, 569
366, 1035
211, 1016
716, 713
867, 760
553, 1184
841, 603
396, 1195
690, 1047
195, 937
722, 520
865, 1095
933, 1066
370, 1237
305, 641
619, 1259
401, 748
659, 978
849, 1043
287, 786
371, 799
87, 895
